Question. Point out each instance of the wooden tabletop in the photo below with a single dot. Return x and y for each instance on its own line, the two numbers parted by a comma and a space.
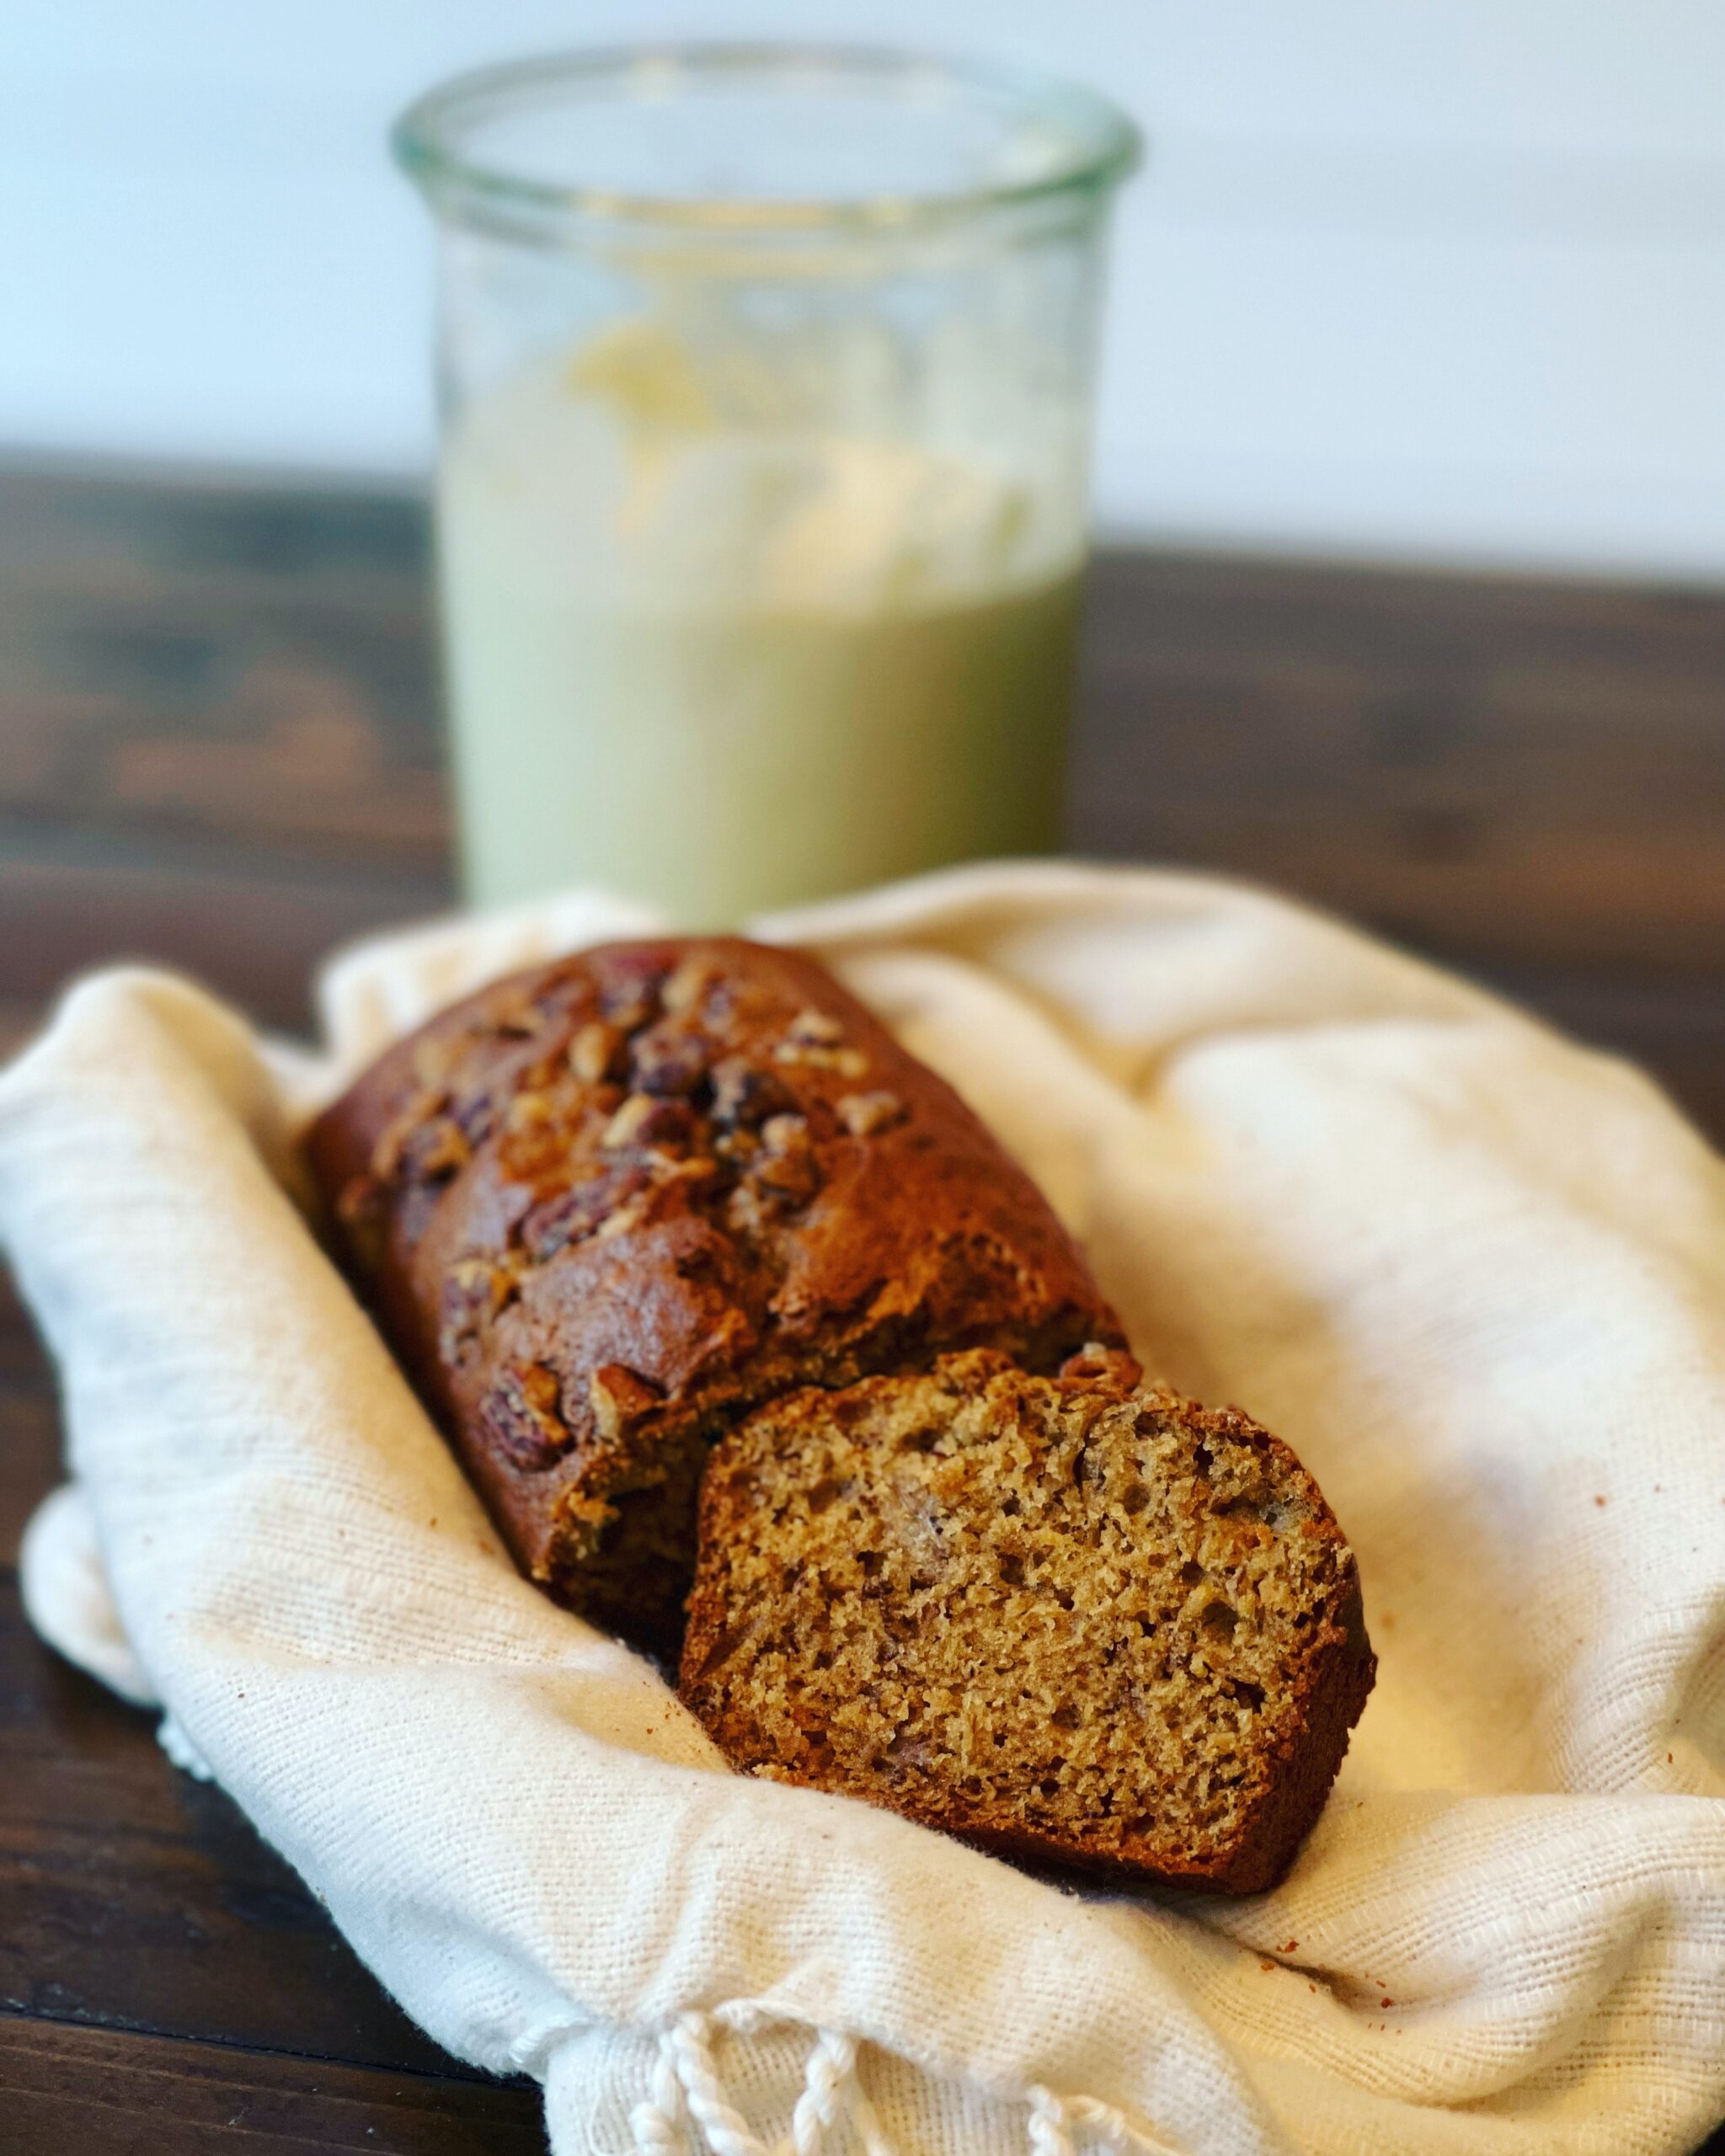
218, 748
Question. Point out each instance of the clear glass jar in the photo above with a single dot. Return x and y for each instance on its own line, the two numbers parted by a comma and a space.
766, 382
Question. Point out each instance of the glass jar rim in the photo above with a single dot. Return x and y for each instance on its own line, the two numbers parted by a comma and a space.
1103, 145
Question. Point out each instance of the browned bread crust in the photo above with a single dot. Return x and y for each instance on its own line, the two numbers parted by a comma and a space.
1064, 1618
605, 1208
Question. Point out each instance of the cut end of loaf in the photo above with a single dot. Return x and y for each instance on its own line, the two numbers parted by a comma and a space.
1063, 1617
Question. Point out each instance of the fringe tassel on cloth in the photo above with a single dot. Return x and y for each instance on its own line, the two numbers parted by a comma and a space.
687, 2110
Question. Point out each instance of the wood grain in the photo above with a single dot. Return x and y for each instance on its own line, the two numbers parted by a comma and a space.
133, 1897
191, 659
1507, 771
29, 1455
105, 2093
21, 1352
248, 923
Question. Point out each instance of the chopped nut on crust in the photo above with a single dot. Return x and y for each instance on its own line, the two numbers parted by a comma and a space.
618, 1397
684, 985
848, 1062
520, 1415
420, 1146
393, 1138
626, 1004
864, 1113
592, 1050
786, 1164
570, 1216
815, 1029
668, 1060
528, 1110
442, 1150
749, 1210
628, 1125
474, 1290
743, 1093
623, 1219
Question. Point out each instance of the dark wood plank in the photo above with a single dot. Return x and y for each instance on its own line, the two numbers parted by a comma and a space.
29, 1455
192, 658
218, 746
19, 1018
133, 1897
21, 1353
1505, 771
107, 2093
249, 925
197, 706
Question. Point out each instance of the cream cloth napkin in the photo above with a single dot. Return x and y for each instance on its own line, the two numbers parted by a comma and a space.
1474, 1274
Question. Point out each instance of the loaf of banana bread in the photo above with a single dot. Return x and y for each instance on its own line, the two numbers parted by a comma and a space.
604, 1208
1065, 1617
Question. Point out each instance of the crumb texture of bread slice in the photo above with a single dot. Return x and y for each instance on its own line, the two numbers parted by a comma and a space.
1063, 1617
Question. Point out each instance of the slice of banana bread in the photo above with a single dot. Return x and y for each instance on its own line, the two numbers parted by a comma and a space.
1063, 1617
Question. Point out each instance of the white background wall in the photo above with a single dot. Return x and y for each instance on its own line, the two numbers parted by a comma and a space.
1439, 278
